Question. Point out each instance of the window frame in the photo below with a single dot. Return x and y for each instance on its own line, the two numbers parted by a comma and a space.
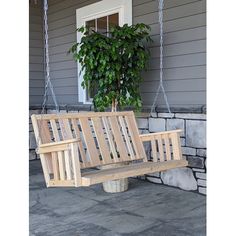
97, 10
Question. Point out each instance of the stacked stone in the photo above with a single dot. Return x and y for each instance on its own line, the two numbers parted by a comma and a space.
193, 142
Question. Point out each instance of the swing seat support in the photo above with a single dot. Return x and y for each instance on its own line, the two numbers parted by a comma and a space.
73, 146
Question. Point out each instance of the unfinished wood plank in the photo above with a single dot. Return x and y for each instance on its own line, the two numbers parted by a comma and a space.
44, 131
61, 162
81, 115
45, 168
59, 153
68, 165
44, 158
146, 137
127, 139
154, 149
110, 139
61, 183
88, 138
121, 148
176, 146
160, 148
133, 130
55, 166
55, 130
101, 176
52, 148
65, 129
66, 134
80, 144
59, 143
75, 164
45, 137
102, 143
35, 124
167, 146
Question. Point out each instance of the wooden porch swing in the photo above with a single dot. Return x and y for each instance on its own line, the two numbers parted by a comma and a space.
72, 142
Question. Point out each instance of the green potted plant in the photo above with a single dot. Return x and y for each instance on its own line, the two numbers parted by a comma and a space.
112, 64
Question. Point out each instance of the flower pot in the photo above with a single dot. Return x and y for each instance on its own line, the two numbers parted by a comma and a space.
115, 186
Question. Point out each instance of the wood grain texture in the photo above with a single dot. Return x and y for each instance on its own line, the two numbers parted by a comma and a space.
127, 138
133, 130
128, 171
176, 145
84, 162
121, 148
58, 155
99, 132
167, 146
90, 144
110, 139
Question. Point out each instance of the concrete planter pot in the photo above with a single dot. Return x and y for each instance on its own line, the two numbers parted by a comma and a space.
115, 186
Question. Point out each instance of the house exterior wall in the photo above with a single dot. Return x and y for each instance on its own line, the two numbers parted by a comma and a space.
36, 74
184, 51
62, 26
184, 77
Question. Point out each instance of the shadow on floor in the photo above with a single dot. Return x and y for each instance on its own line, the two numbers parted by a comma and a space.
146, 209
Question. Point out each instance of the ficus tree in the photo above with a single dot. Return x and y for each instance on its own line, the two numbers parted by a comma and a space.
113, 64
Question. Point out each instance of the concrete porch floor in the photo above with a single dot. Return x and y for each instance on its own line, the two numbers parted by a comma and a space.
146, 209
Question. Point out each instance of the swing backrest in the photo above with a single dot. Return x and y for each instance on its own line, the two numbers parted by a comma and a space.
104, 137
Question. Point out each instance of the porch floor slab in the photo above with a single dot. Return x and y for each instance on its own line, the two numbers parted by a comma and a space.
145, 209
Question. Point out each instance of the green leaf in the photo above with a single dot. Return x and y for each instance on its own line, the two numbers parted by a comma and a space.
113, 64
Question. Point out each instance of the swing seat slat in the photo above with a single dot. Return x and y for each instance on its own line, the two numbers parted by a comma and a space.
100, 176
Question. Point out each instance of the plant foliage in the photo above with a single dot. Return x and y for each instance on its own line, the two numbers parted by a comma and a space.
114, 63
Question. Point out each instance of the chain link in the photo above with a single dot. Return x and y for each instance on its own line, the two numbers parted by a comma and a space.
48, 84
161, 87
46, 48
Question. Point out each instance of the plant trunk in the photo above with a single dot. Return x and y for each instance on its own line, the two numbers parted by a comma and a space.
114, 105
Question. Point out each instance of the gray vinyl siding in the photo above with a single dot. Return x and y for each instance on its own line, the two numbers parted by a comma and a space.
36, 74
184, 51
62, 26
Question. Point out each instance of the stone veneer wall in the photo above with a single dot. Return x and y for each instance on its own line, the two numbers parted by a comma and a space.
193, 141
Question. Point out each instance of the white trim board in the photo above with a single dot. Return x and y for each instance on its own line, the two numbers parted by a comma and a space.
97, 10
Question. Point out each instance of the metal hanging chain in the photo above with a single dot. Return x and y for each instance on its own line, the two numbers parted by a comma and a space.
46, 48
48, 84
161, 87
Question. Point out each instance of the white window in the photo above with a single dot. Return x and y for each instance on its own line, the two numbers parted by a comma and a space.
100, 17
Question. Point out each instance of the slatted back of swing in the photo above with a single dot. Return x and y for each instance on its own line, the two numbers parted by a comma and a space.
104, 137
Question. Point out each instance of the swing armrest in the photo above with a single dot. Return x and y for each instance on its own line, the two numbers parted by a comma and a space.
56, 146
168, 143
150, 136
